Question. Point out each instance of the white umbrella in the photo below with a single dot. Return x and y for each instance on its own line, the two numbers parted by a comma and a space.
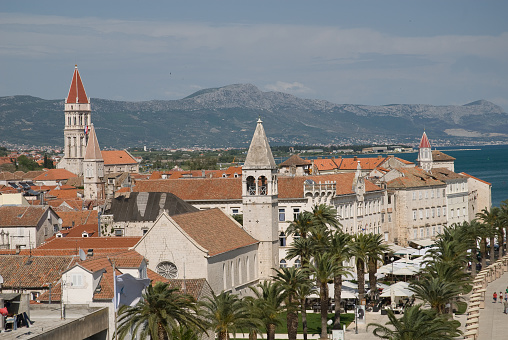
405, 251
397, 289
405, 271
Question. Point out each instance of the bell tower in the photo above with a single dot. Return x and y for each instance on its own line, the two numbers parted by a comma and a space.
260, 201
93, 169
77, 121
425, 154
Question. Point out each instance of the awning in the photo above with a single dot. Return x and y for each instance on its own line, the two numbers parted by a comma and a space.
426, 242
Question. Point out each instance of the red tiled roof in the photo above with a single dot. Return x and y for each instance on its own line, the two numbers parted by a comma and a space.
412, 178
117, 157
22, 216
78, 230
366, 163
325, 164
438, 156
90, 243
77, 92
295, 160
214, 231
55, 175
78, 217
67, 193
32, 271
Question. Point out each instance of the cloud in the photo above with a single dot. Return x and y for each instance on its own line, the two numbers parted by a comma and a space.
295, 87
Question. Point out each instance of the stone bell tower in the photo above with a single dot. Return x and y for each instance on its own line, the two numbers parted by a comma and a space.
260, 201
425, 154
77, 121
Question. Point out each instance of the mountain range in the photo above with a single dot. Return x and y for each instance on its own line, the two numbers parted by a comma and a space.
226, 116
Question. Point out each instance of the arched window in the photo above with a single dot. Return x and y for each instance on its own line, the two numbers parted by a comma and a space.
283, 263
262, 185
251, 186
167, 269
224, 276
247, 268
298, 263
282, 239
240, 271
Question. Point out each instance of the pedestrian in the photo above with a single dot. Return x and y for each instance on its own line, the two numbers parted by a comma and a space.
494, 297
506, 297
500, 297
505, 309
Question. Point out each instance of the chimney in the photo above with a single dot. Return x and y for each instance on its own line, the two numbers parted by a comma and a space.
355, 158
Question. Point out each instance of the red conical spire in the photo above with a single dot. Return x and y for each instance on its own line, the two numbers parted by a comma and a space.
424, 143
77, 92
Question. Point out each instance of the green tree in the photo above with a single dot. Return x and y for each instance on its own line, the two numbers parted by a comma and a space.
436, 291
340, 251
159, 313
226, 313
360, 250
290, 280
417, 324
490, 220
375, 252
323, 268
270, 299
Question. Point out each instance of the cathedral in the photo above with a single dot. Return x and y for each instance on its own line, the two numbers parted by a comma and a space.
82, 155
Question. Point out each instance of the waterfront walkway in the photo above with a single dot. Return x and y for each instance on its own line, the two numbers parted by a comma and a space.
493, 322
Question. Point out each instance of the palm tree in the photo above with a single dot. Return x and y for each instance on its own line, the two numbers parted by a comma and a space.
360, 250
303, 292
490, 219
375, 252
161, 311
269, 297
472, 231
324, 215
503, 220
226, 313
417, 324
324, 268
339, 249
290, 280
436, 291
302, 248
301, 225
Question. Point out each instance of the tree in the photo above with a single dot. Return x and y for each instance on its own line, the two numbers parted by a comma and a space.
301, 225
436, 291
291, 280
159, 313
270, 298
375, 252
324, 268
339, 249
490, 219
226, 314
417, 324
360, 250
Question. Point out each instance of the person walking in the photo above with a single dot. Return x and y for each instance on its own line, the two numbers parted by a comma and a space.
494, 297
506, 297
505, 309
500, 297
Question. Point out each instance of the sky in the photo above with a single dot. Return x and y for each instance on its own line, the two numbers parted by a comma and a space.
347, 52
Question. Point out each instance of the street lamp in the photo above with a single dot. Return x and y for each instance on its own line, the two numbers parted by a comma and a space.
419, 247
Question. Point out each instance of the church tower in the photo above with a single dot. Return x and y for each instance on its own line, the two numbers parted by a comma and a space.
77, 120
425, 154
93, 168
260, 201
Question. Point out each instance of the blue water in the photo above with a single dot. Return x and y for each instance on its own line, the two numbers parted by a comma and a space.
488, 163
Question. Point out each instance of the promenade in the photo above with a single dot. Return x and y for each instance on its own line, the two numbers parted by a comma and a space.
493, 322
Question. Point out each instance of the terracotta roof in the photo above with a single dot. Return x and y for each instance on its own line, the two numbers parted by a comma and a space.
78, 217
424, 143
367, 163
214, 231
22, 216
403, 160
468, 175
55, 175
32, 271
117, 157
77, 92
67, 193
90, 243
194, 189
438, 156
413, 178
444, 174
295, 160
66, 204
92, 151
325, 164
193, 287
78, 230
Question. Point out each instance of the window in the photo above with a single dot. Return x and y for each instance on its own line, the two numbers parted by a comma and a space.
415, 233
282, 215
464, 211
296, 236
421, 214
427, 212
298, 263
426, 194
296, 212
420, 195
444, 192
433, 212
282, 239
437, 193
433, 230
283, 263
414, 195
118, 232
144, 231
431, 193
414, 215
444, 211
382, 218
458, 212
389, 217
451, 213
167, 269
421, 232
438, 211
235, 211
76, 280
427, 234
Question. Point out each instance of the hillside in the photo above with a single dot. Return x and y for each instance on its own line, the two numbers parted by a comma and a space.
226, 117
